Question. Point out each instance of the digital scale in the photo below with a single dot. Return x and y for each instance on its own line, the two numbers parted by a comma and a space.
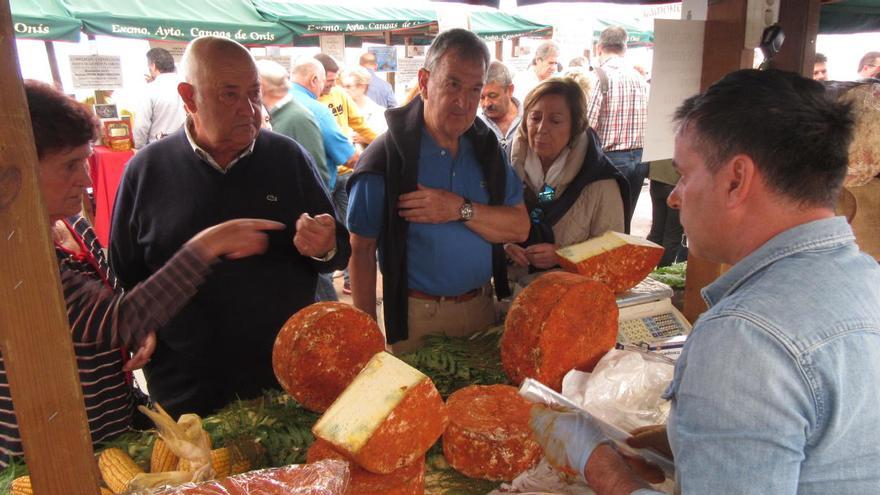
649, 320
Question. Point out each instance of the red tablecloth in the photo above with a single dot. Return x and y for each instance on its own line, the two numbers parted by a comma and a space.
106, 167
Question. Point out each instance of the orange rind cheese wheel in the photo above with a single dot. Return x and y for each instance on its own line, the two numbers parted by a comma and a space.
408, 480
488, 434
320, 350
560, 322
619, 261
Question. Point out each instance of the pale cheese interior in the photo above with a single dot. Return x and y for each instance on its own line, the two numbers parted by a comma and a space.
598, 245
361, 408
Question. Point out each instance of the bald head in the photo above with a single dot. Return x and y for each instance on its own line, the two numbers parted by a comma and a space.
309, 73
368, 61
204, 55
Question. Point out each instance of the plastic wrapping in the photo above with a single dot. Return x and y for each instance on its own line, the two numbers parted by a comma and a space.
327, 477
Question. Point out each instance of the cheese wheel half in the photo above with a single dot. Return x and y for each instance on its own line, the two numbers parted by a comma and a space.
320, 350
388, 417
619, 261
408, 480
559, 322
488, 434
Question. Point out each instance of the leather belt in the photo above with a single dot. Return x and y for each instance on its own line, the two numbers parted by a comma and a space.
467, 296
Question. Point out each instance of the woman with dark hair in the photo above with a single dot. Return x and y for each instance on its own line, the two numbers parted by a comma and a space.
104, 321
572, 190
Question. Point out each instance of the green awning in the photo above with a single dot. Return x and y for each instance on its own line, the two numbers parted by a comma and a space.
495, 26
309, 19
43, 20
635, 35
850, 16
178, 20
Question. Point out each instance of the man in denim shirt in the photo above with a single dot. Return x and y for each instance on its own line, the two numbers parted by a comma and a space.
778, 387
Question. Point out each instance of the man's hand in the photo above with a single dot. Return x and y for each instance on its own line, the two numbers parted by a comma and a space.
315, 236
650, 437
517, 254
567, 438
542, 256
142, 355
428, 205
234, 239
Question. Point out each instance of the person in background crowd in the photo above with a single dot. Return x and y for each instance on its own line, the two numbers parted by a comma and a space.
357, 82
618, 108
104, 320
500, 110
161, 111
820, 69
286, 115
666, 229
869, 65
435, 195
578, 62
380, 90
572, 190
221, 165
544, 66
776, 390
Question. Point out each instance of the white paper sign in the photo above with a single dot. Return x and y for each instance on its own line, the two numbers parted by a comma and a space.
96, 71
408, 68
677, 68
333, 45
286, 61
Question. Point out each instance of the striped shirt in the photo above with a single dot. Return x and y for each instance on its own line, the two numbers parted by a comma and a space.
619, 115
104, 321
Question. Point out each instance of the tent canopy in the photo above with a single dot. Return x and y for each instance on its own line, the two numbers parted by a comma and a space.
635, 35
178, 20
313, 19
495, 25
44, 20
850, 16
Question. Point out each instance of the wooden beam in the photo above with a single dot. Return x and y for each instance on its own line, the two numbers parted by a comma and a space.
723, 52
34, 331
53, 65
800, 23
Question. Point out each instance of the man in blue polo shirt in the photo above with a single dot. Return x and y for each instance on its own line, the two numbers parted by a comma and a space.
435, 195
308, 82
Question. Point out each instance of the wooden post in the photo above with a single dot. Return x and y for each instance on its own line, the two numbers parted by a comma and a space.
724, 52
499, 50
800, 23
34, 331
53, 65
389, 76
514, 44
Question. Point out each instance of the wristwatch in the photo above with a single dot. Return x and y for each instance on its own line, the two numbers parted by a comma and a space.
466, 211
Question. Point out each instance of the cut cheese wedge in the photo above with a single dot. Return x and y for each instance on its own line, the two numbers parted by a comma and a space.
387, 418
619, 261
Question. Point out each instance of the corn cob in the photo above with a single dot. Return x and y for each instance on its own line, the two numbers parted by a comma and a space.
162, 458
117, 469
220, 463
22, 486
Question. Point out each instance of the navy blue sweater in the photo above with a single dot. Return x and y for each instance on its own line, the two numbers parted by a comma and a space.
219, 347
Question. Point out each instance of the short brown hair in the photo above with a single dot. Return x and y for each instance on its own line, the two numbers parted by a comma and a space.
574, 99
867, 59
59, 122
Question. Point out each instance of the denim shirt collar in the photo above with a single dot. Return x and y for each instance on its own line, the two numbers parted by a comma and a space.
824, 233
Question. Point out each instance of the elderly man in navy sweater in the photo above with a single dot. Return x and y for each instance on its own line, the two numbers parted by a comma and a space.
221, 165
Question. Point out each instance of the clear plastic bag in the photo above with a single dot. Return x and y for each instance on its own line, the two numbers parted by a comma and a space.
327, 477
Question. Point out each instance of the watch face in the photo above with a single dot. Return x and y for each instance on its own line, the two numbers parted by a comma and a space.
466, 211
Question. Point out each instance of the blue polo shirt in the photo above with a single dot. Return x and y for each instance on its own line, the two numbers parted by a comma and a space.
442, 259
337, 147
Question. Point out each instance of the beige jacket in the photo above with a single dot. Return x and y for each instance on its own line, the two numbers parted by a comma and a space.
597, 210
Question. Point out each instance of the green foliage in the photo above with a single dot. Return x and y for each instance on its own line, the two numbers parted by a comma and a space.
456, 362
672, 275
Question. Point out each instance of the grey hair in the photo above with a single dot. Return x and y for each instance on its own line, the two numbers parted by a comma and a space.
499, 74
361, 74
546, 49
275, 78
613, 39
207, 48
468, 44
306, 67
